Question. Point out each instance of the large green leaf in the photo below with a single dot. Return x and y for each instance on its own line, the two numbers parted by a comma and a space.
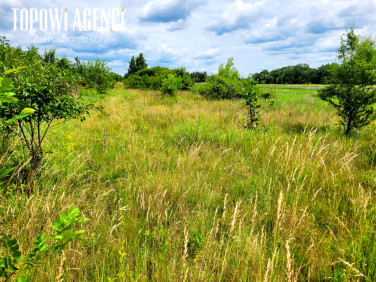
24, 113
6, 172
27, 111
7, 97
26, 278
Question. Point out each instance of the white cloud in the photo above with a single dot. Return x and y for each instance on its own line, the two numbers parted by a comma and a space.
238, 15
169, 10
11, 3
201, 34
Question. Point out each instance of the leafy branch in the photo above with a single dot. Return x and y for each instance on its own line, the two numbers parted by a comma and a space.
12, 263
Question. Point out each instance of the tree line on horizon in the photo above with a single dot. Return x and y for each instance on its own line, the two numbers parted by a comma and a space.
138, 63
297, 74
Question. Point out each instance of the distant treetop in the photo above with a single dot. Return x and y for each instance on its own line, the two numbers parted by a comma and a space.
136, 64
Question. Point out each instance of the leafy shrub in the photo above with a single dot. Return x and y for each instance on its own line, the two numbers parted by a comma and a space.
218, 87
7, 97
154, 71
171, 85
143, 82
227, 84
93, 75
195, 244
97, 75
116, 77
224, 88
44, 87
13, 263
201, 88
353, 94
8, 124
198, 77
152, 78
252, 104
49, 90
186, 80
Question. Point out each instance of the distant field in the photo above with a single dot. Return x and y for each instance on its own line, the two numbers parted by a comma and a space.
313, 86
178, 190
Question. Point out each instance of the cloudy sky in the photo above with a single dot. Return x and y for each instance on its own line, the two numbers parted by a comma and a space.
198, 34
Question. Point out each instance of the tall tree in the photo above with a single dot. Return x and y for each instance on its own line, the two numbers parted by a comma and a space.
353, 94
136, 64
132, 67
141, 62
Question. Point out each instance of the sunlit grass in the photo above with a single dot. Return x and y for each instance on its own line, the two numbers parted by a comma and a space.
177, 189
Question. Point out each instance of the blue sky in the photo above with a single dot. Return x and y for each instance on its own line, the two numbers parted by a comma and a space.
202, 34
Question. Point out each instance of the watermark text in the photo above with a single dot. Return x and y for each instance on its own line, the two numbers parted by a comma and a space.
63, 19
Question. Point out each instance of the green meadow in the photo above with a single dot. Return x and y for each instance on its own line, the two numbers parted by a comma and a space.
176, 189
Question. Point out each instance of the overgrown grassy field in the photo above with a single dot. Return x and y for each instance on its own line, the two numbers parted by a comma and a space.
177, 189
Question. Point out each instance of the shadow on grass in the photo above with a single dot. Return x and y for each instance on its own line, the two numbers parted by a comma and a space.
300, 128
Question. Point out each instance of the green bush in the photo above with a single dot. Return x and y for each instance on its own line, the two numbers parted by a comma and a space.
202, 88
7, 98
171, 85
97, 75
49, 91
45, 87
8, 124
186, 80
225, 88
198, 77
219, 87
227, 84
152, 78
